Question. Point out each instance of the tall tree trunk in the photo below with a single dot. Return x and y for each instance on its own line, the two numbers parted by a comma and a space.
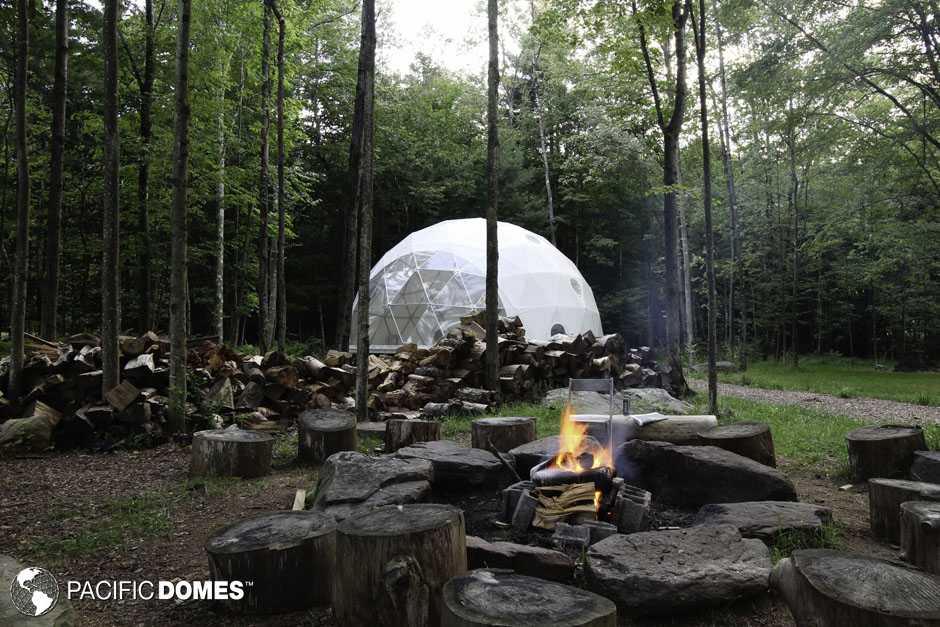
111, 263
264, 261
50, 304
728, 165
492, 201
179, 285
687, 283
794, 203
281, 208
220, 223
707, 202
145, 277
18, 304
365, 92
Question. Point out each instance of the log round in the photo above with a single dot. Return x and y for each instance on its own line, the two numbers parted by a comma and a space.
322, 432
287, 556
920, 534
499, 597
231, 453
394, 561
883, 450
825, 587
926, 466
750, 439
400, 432
503, 434
884, 503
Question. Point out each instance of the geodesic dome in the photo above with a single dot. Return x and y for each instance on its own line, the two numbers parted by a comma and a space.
423, 286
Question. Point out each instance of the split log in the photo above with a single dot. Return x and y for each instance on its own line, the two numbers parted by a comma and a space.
400, 433
824, 587
500, 597
884, 503
231, 453
322, 432
883, 450
926, 466
288, 556
920, 534
750, 439
395, 561
503, 434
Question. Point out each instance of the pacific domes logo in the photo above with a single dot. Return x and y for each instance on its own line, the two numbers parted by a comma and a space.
34, 591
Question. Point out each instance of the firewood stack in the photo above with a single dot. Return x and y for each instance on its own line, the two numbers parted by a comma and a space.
255, 391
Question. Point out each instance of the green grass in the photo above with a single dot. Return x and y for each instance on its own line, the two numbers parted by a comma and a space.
546, 419
122, 521
827, 537
846, 378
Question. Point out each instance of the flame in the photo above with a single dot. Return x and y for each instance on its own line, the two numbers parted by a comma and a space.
573, 442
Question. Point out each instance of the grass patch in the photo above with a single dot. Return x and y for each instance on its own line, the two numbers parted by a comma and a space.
122, 521
826, 537
285, 449
838, 376
547, 419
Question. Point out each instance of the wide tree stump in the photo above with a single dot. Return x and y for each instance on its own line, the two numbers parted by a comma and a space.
920, 534
926, 466
393, 563
883, 450
884, 503
675, 429
500, 597
322, 432
400, 432
288, 557
824, 587
503, 434
231, 453
750, 439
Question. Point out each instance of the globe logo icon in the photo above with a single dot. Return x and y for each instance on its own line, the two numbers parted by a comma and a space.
34, 591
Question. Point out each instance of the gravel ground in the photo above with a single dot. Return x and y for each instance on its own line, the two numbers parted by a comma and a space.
868, 409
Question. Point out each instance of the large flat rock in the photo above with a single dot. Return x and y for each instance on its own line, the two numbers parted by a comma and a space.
351, 482
521, 558
692, 476
766, 520
531, 454
664, 572
455, 466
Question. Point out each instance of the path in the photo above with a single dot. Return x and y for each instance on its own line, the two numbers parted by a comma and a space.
866, 409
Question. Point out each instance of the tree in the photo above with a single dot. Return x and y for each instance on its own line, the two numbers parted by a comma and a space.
50, 302
671, 130
281, 196
111, 261
492, 200
265, 323
178, 279
712, 339
18, 303
363, 177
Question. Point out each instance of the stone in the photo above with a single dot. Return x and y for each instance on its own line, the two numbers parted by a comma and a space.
62, 615
523, 559
511, 497
648, 400
599, 530
456, 466
572, 539
926, 466
534, 453
766, 520
664, 572
692, 476
351, 483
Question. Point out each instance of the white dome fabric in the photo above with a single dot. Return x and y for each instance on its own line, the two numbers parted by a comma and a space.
425, 284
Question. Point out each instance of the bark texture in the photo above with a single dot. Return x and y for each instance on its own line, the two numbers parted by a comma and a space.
492, 200
21, 263
111, 214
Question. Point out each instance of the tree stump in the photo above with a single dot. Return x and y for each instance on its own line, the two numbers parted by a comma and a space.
926, 466
322, 432
500, 597
231, 453
883, 450
288, 556
503, 434
920, 534
750, 439
884, 503
400, 432
393, 563
675, 429
824, 587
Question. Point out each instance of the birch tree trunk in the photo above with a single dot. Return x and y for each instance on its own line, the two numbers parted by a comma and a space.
178, 280
687, 283
21, 263
264, 275
492, 189
363, 200
50, 303
111, 216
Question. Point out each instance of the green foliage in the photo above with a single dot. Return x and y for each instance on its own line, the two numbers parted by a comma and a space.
785, 543
547, 420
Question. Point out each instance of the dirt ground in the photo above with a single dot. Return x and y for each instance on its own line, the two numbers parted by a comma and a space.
58, 511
